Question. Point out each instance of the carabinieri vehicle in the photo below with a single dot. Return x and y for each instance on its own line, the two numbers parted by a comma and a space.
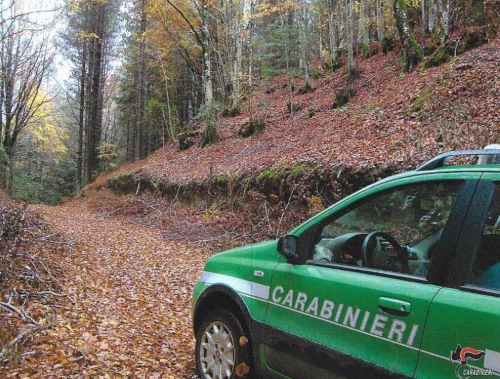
399, 280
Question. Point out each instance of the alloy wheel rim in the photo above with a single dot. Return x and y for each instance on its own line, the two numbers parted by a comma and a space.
217, 351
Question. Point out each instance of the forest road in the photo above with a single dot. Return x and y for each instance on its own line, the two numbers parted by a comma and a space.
128, 290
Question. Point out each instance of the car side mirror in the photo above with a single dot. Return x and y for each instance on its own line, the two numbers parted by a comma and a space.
287, 246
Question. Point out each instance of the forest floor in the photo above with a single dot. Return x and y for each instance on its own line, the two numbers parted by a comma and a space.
127, 308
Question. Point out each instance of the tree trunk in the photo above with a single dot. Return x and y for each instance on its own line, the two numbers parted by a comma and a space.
351, 68
439, 19
81, 116
425, 15
235, 37
94, 95
210, 133
304, 43
332, 32
412, 52
142, 133
24, 64
363, 33
381, 19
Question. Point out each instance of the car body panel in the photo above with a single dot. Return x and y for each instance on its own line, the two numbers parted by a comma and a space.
371, 317
459, 319
235, 269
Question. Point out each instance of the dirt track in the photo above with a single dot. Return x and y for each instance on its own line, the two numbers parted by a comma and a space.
130, 290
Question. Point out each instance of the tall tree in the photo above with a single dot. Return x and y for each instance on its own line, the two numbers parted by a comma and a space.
43, 169
142, 140
412, 52
87, 44
439, 17
201, 27
350, 40
234, 32
210, 133
333, 39
24, 63
304, 40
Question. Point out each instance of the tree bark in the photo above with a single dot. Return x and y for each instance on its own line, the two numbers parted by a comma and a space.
81, 116
412, 52
95, 96
351, 68
210, 133
304, 42
140, 122
332, 32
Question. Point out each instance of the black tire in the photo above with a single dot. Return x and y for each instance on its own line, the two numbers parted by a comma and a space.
222, 347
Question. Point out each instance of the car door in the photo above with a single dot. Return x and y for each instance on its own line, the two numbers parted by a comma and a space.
358, 306
462, 336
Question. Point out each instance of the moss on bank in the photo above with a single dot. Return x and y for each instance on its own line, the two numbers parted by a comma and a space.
296, 184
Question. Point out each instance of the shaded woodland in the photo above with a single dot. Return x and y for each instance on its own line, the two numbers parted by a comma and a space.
145, 74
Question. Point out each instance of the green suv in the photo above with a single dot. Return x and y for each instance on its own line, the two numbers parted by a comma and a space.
399, 280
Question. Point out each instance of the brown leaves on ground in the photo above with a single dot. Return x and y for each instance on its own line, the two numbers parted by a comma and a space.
127, 313
392, 120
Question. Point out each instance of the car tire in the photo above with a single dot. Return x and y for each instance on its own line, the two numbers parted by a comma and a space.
222, 347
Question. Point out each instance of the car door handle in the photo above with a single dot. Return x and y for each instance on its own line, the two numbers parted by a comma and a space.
394, 306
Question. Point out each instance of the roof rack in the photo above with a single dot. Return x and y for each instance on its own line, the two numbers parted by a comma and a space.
440, 160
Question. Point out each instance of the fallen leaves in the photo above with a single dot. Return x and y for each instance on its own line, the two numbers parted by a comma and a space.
131, 292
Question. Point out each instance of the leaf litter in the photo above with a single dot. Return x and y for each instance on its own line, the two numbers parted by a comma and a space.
127, 311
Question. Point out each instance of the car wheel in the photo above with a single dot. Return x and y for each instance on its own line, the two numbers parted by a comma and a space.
222, 348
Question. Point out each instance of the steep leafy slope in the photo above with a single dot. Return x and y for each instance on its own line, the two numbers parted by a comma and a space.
393, 119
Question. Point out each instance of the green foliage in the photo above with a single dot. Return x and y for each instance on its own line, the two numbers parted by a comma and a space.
157, 116
42, 169
109, 156
268, 72
300, 170
280, 45
311, 112
268, 179
36, 183
4, 164
419, 103
439, 57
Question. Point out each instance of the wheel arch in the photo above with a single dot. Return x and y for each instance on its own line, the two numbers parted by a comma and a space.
221, 296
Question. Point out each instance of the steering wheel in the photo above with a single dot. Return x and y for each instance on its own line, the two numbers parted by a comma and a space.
370, 244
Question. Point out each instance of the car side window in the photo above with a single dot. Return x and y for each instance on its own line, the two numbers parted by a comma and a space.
485, 271
392, 231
